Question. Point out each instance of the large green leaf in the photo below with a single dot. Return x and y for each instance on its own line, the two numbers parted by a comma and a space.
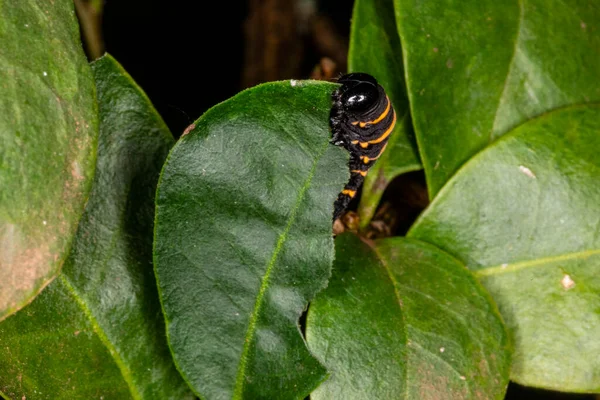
401, 319
48, 133
375, 49
477, 68
524, 216
97, 330
243, 240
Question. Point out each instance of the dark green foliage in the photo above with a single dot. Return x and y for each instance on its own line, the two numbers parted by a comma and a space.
243, 240
521, 215
375, 48
97, 330
402, 319
48, 132
498, 278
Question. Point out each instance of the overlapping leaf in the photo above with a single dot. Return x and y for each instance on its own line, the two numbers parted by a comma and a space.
524, 216
401, 319
475, 69
97, 331
243, 240
375, 49
48, 130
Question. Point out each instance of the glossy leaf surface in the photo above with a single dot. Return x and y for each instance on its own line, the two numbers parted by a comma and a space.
401, 319
244, 240
375, 49
97, 331
48, 133
476, 69
523, 216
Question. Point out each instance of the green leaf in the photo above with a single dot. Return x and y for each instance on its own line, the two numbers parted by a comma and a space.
97, 330
401, 319
48, 134
476, 69
243, 240
523, 215
375, 49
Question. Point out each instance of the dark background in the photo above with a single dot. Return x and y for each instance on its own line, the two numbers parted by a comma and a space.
189, 56
185, 58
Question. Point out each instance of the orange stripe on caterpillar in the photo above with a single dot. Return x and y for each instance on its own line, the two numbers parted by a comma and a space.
366, 159
379, 119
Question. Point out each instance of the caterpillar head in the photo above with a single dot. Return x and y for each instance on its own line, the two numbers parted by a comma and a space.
360, 92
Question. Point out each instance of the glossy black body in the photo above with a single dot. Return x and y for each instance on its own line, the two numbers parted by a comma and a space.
361, 119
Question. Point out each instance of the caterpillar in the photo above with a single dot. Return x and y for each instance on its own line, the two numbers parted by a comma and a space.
362, 119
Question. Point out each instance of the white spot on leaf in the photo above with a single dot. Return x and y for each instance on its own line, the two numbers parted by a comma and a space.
442, 349
527, 171
567, 283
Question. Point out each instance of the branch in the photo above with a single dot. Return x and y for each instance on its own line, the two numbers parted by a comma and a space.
90, 18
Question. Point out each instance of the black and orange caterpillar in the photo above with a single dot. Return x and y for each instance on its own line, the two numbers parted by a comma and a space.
361, 119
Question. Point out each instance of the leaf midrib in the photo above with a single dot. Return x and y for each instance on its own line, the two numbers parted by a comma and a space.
388, 271
250, 333
397, 289
510, 69
125, 372
517, 266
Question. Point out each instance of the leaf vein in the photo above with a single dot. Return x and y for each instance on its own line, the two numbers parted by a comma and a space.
510, 68
513, 267
399, 301
238, 391
458, 317
125, 371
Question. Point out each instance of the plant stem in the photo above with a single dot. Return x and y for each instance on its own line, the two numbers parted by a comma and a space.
90, 18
